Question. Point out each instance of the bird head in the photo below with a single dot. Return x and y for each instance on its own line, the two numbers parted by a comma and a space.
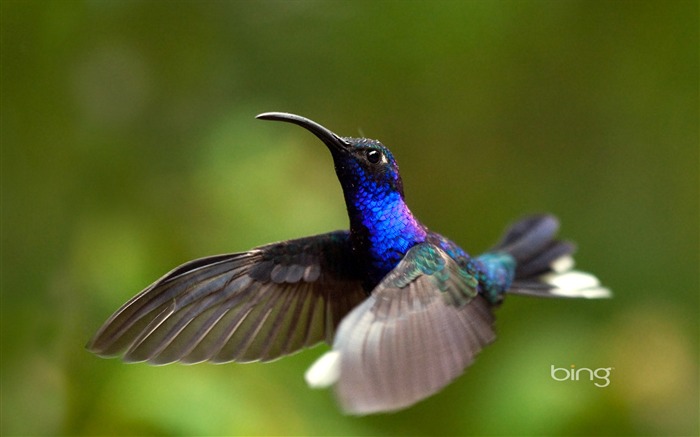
362, 165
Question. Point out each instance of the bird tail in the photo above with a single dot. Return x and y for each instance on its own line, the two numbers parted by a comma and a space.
544, 265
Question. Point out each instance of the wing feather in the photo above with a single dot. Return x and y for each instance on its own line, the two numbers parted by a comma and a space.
420, 328
256, 305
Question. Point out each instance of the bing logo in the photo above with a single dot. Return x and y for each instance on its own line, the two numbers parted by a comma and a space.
600, 377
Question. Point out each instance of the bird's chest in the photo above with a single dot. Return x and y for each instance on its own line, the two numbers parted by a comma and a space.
382, 231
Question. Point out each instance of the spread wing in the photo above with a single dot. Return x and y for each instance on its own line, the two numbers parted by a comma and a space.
249, 306
420, 328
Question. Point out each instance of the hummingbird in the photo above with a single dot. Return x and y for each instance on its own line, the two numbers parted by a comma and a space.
404, 309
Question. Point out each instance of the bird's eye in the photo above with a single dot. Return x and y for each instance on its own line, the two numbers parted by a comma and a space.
374, 156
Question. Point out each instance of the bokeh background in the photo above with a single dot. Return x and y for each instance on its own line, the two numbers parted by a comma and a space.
129, 146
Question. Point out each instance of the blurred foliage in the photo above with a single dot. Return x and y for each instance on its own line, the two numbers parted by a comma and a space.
129, 146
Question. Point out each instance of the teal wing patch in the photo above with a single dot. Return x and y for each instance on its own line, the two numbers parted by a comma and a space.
431, 264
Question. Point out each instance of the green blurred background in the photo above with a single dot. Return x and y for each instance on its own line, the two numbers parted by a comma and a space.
129, 146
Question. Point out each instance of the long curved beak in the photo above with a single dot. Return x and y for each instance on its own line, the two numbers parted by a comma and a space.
333, 141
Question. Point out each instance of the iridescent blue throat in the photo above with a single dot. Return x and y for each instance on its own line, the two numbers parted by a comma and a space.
382, 228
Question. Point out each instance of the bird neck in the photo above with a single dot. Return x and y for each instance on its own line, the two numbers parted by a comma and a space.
382, 229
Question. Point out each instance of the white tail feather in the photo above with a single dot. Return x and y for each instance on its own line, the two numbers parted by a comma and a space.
588, 293
562, 264
325, 371
573, 283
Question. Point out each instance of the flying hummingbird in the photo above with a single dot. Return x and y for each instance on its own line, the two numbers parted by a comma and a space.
405, 309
